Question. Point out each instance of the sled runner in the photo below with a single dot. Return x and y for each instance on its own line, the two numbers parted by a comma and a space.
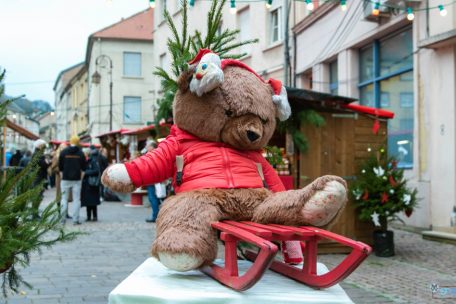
263, 236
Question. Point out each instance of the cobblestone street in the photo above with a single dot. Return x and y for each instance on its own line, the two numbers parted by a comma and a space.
86, 270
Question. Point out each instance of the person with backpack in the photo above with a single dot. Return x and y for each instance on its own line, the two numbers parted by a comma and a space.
90, 194
72, 164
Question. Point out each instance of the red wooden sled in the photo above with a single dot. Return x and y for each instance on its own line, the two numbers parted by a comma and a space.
262, 236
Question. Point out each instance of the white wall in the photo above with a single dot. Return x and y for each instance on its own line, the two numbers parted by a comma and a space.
99, 98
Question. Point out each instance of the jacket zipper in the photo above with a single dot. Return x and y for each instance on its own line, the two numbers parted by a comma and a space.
228, 172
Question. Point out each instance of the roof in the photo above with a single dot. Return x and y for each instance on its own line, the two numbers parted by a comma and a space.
67, 74
21, 130
119, 131
323, 102
138, 27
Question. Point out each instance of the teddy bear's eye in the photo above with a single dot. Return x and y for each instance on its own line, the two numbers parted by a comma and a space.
228, 113
204, 66
264, 121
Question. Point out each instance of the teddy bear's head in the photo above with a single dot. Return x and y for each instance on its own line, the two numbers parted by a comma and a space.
227, 102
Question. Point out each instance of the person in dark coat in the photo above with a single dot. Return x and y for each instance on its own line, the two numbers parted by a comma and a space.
90, 192
15, 159
25, 160
43, 164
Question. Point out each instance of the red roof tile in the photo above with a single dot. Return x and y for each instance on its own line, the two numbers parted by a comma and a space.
137, 27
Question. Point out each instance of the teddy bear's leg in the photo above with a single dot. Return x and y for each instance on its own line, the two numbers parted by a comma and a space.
318, 204
185, 239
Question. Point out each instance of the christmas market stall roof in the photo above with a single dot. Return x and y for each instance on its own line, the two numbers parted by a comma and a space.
119, 131
24, 132
301, 99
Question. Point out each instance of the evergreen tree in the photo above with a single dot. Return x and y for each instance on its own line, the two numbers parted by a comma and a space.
380, 190
21, 231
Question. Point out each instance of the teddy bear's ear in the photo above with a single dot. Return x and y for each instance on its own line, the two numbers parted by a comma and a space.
183, 81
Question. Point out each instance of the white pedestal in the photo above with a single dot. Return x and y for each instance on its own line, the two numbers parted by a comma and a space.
151, 282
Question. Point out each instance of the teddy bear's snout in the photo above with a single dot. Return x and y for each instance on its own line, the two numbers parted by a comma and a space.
252, 136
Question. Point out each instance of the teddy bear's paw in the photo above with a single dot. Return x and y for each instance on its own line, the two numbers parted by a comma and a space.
116, 178
325, 204
180, 261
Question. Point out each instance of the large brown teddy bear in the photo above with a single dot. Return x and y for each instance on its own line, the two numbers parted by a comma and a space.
224, 114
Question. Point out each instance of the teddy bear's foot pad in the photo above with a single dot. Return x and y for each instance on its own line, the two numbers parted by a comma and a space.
179, 261
325, 204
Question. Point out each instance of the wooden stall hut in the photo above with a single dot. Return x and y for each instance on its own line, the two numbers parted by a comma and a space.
118, 150
139, 137
338, 148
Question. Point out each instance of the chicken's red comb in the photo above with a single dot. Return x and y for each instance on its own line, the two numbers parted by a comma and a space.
200, 55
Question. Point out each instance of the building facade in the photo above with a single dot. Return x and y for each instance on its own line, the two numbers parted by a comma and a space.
390, 62
48, 125
121, 95
254, 20
63, 105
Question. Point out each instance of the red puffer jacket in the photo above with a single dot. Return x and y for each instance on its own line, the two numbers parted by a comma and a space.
206, 165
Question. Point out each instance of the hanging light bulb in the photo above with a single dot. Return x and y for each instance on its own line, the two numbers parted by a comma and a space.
152, 3
410, 14
233, 9
376, 9
192, 3
268, 4
310, 5
443, 11
343, 5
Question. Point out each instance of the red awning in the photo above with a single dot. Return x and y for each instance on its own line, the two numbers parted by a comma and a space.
120, 131
139, 130
369, 110
24, 132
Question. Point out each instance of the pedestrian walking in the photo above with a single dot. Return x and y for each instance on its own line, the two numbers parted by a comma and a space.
72, 164
41, 177
15, 159
151, 193
103, 161
54, 169
90, 195
25, 160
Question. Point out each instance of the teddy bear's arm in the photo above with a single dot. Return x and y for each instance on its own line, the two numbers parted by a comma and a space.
155, 166
270, 175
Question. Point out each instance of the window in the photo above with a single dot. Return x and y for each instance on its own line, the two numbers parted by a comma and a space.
333, 78
163, 8
132, 64
132, 109
164, 61
244, 28
275, 19
386, 81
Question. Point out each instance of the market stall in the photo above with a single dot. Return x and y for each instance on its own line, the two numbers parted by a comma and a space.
336, 148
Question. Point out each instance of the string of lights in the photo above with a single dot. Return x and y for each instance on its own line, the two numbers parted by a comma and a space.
377, 6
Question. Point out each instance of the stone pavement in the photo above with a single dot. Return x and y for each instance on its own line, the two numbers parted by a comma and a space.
87, 269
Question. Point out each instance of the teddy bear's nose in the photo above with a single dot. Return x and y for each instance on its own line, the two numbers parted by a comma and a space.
252, 136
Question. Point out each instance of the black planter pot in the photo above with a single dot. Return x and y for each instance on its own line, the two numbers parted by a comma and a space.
384, 243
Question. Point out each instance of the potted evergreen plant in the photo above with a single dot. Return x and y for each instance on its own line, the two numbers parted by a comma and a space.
380, 192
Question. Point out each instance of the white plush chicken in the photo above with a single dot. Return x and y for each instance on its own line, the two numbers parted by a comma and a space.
208, 74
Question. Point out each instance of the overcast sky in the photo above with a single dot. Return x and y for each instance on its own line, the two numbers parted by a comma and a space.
40, 38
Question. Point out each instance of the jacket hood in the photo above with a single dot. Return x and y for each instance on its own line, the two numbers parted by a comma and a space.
73, 149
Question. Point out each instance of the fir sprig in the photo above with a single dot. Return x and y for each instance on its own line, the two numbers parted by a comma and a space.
22, 230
